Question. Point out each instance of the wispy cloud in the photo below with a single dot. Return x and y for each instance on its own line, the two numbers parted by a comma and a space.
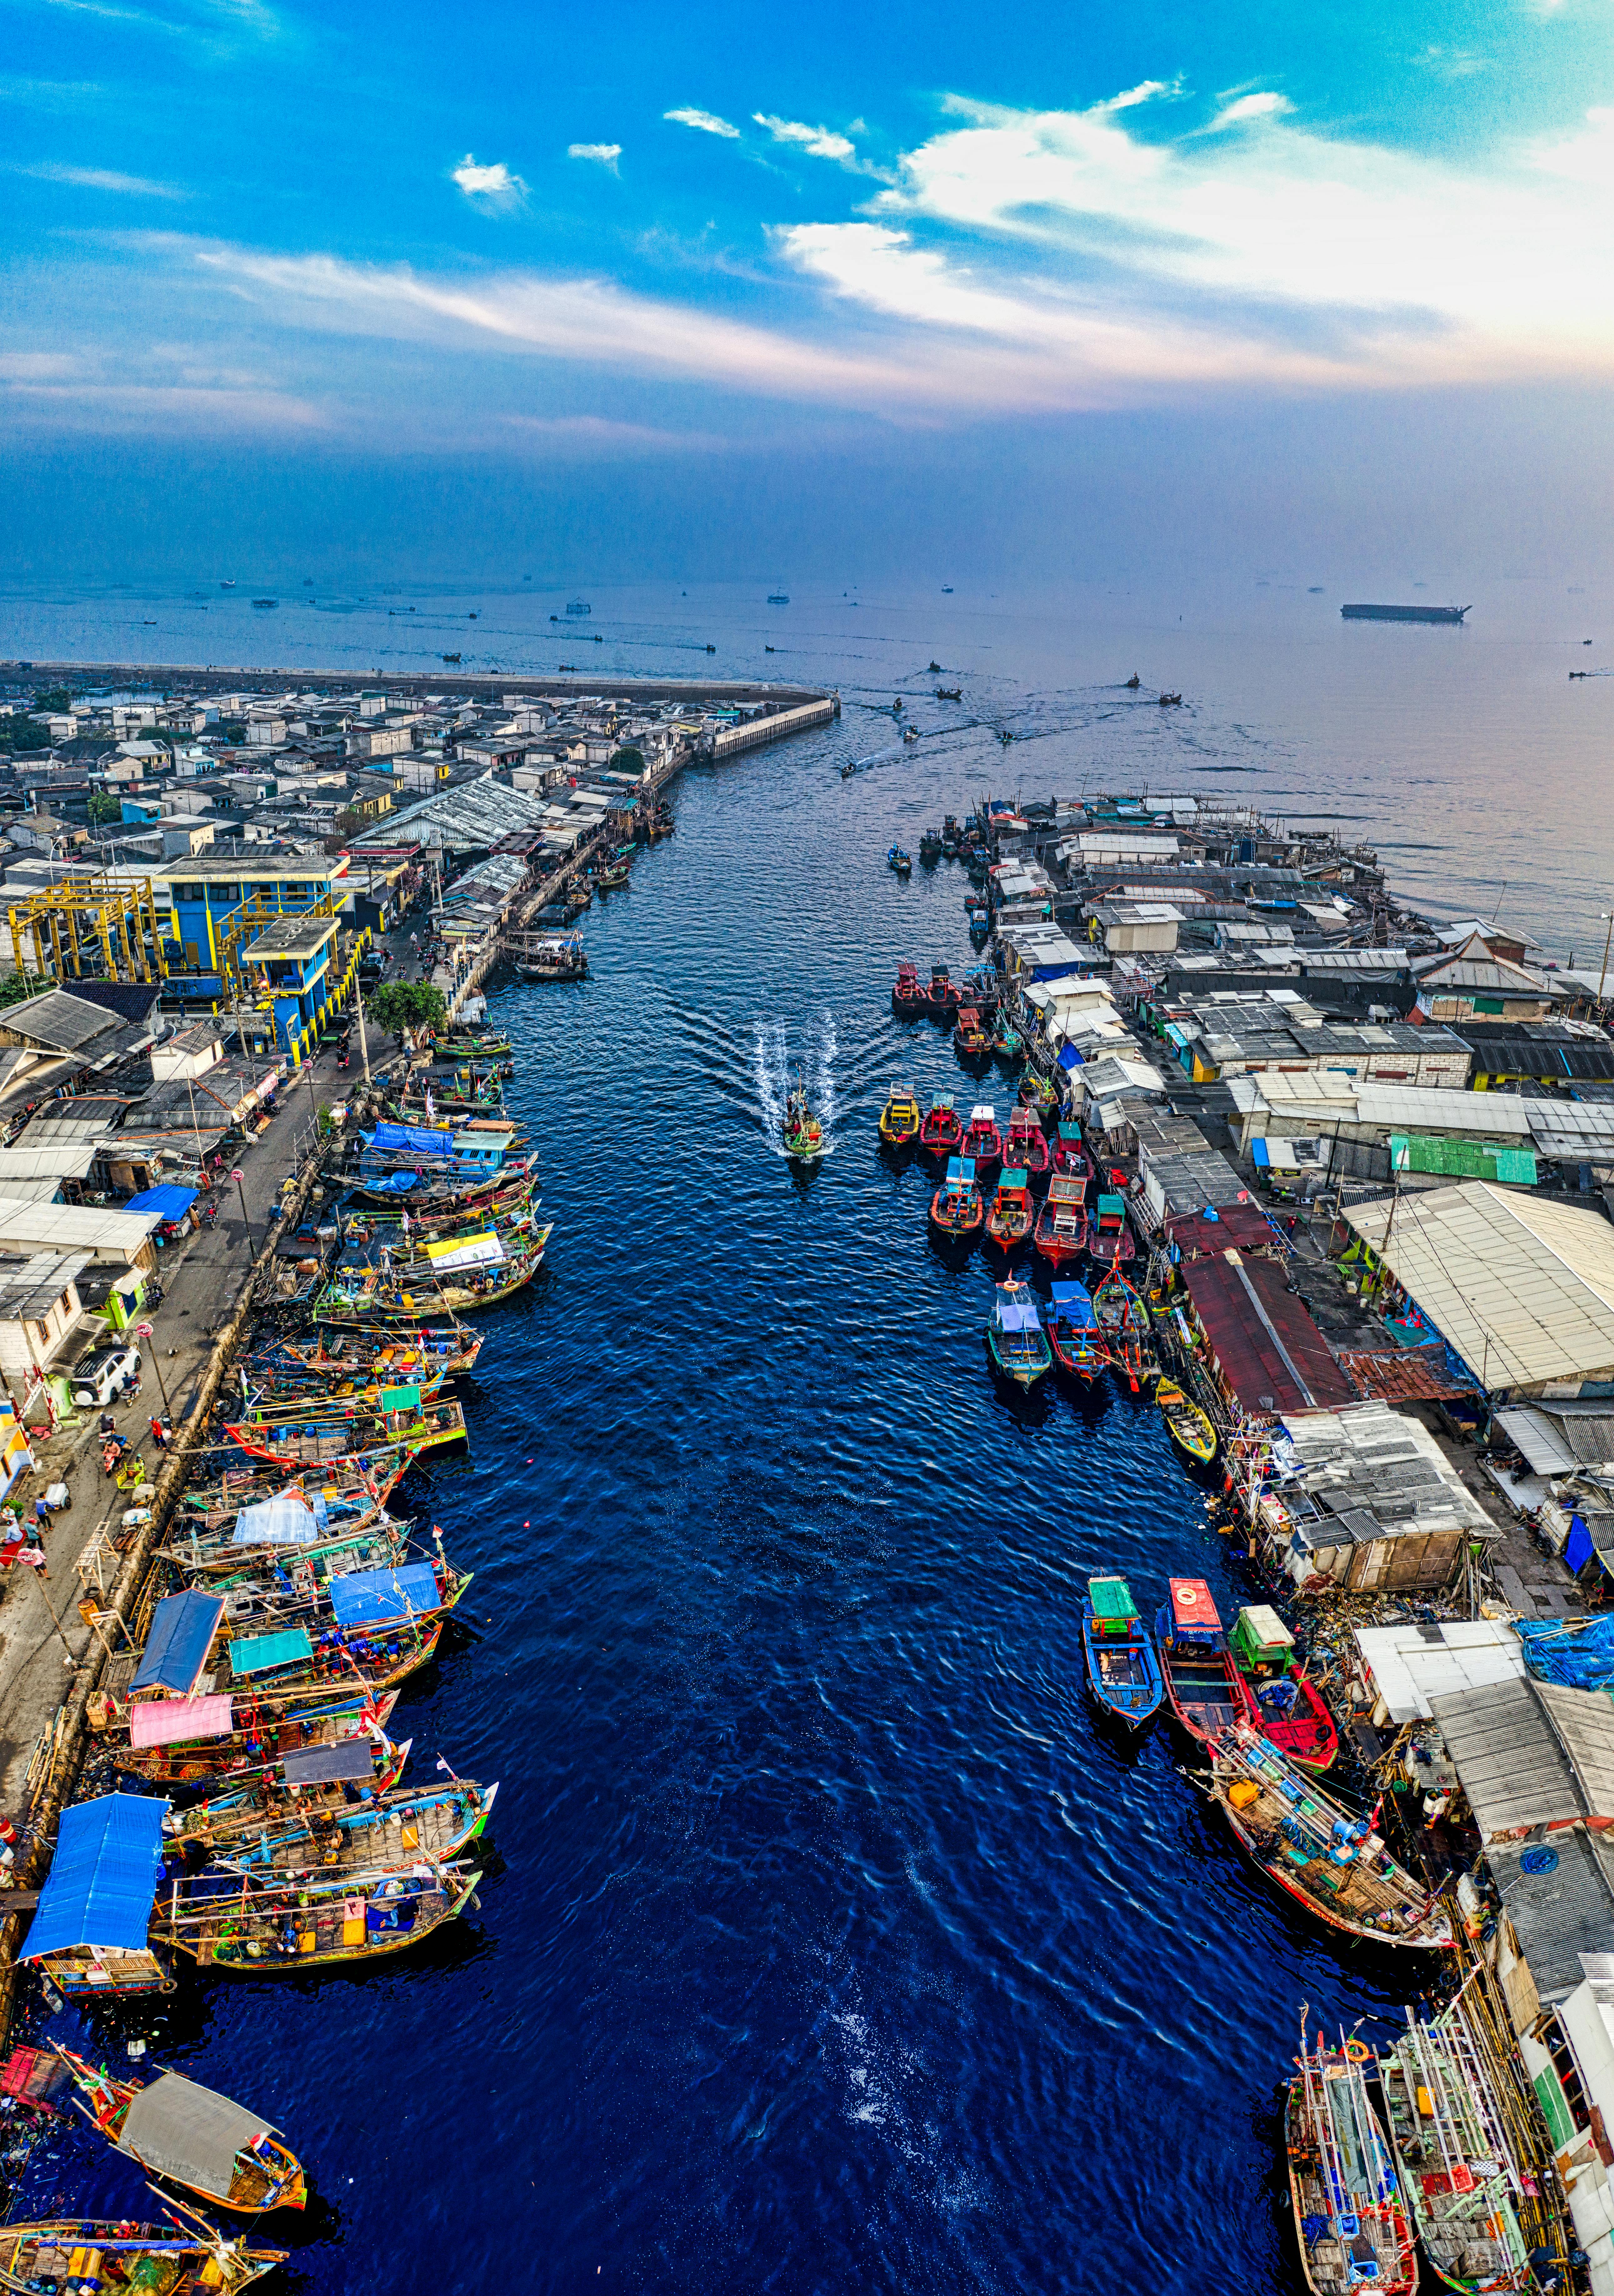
101, 179
708, 122
490, 186
605, 155
1261, 103
820, 143
167, 390
218, 25
601, 435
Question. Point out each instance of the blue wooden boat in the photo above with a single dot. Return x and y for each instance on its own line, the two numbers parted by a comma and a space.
1123, 1669
1015, 1335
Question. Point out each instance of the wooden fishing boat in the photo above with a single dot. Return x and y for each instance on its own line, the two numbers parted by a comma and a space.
1322, 1855
304, 1784
256, 1926
909, 999
1015, 1336
613, 878
949, 827
1071, 1159
1006, 1042
979, 915
177, 2130
345, 1592
388, 1833
899, 862
1459, 2161
1123, 1319
956, 1210
1074, 1334
1350, 2214
245, 1521
942, 1132
471, 1045
1008, 1222
559, 957
982, 1141
304, 1436
930, 848
177, 2258
1290, 1709
1188, 1427
899, 1118
239, 1741
288, 1663
1039, 1092
969, 1039
1123, 1670
395, 1358
1026, 1144
945, 995
802, 1131
366, 1296
1061, 1229
1205, 1687
1109, 1237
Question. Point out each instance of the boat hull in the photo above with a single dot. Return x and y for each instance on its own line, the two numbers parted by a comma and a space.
1123, 1676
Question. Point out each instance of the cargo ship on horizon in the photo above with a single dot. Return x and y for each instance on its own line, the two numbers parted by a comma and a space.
1403, 613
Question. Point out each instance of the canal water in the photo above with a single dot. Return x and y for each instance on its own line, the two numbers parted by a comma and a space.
826, 1939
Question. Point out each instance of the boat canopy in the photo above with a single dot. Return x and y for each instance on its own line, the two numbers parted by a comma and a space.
960, 1171
1011, 1181
179, 1721
177, 2128
414, 1139
283, 1521
1018, 1315
183, 1627
1111, 1208
102, 1878
253, 1654
465, 1252
1262, 1633
1112, 1600
1071, 1133
1064, 1188
401, 1399
368, 1598
1074, 1303
321, 1766
985, 1113
1194, 1615
941, 1100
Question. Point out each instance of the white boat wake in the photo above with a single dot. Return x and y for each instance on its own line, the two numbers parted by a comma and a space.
772, 1067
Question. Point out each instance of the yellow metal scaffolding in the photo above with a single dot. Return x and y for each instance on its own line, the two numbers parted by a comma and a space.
62, 929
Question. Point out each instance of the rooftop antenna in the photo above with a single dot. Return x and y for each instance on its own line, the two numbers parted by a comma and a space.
1497, 912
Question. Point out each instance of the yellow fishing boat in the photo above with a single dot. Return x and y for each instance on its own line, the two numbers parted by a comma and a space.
1187, 1426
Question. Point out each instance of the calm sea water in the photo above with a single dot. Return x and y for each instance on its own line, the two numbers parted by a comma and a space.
827, 1939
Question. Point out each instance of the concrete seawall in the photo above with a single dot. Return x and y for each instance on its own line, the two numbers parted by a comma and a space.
730, 739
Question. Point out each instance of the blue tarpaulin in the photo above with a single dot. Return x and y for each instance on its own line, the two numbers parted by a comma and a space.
1582, 1658
393, 1183
253, 1654
183, 1627
1070, 1059
412, 1139
367, 1598
1578, 1549
168, 1203
103, 1877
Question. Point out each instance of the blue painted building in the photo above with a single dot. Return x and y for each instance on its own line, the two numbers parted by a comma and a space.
228, 913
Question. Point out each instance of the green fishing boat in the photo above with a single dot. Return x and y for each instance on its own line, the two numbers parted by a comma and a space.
803, 1133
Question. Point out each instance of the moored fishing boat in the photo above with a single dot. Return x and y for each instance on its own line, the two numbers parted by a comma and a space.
1015, 1336
900, 1117
1074, 1334
956, 1208
306, 1783
908, 998
1026, 1144
1008, 1044
558, 956
1109, 1237
970, 1039
1327, 1858
386, 1833
900, 863
942, 1132
945, 996
1070, 1154
307, 1434
471, 1045
978, 913
802, 1132
177, 2258
1123, 1669
1188, 1427
367, 1355
1350, 2216
1459, 2160
1061, 1229
1008, 1222
251, 1925
983, 1142
1290, 1709
235, 1741
1204, 1685
1039, 1092
1123, 1319
177, 2130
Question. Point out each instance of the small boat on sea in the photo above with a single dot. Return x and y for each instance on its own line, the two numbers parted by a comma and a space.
178, 2258
1006, 1042
613, 878
1074, 1334
898, 861
1327, 1858
1188, 1427
1070, 1155
981, 1138
558, 958
1123, 1319
1123, 1671
1290, 1709
1039, 1092
900, 1117
942, 1132
978, 913
383, 1833
802, 1131
949, 827
1018, 1344
323, 1779
1008, 1222
949, 693
930, 846
260, 1926
175, 2128
1350, 2215
1110, 1239
956, 1208
969, 1039
945, 996
1202, 1682
908, 1000
1061, 1229
1458, 2164
1026, 1142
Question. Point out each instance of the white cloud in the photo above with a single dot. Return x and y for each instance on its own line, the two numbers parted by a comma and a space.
821, 143
1261, 103
600, 434
606, 155
102, 179
493, 185
708, 122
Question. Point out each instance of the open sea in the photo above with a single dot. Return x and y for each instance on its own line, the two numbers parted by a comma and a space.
827, 1940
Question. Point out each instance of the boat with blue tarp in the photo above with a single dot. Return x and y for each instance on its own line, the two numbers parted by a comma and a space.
1015, 1336
89, 1933
1123, 1669
1074, 1334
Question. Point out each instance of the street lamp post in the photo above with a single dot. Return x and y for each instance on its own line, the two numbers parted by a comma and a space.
238, 1176
146, 1331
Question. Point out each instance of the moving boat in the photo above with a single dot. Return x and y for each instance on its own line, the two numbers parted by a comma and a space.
1070, 1155
174, 2128
949, 693
969, 1039
1204, 1685
1027, 1143
1459, 2161
942, 1130
1072, 1331
945, 999
1188, 1427
1015, 1335
900, 862
930, 845
1350, 2216
1061, 1230
1291, 1710
908, 1000
956, 1208
899, 1118
1123, 1671
981, 1138
1109, 1240
176, 2259
1318, 1852
804, 1134
1008, 1222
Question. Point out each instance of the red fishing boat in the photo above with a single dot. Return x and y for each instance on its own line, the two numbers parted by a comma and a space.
942, 1133
1110, 1239
956, 1208
945, 996
981, 1138
1071, 1156
1027, 1145
1290, 1709
1008, 1222
1205, 1687
908, 1000
1074, 1334
969, 1036
1061, 1230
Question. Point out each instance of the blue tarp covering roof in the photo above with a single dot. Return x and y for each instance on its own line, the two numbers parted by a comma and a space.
1070, 1058
960, 1171
1581, 1658
183, 1627
366, 1598
414, 1139
1073, 1302
168, 1202
253, 1654
103, 1877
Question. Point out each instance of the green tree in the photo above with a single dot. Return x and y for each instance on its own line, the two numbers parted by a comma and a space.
24, 733
16, 988
103, 805
409, 1006
627, 762
55, 698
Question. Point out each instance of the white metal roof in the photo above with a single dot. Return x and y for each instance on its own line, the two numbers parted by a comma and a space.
74, 1227
1411, 1665
1523, 1288
61, 1160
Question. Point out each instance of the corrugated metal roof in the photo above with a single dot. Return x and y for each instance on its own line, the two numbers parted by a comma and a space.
1560, 1915
1370, 1458
1270, 1352
30, 1285
1513, 1769
1522, 1287
1413, 1665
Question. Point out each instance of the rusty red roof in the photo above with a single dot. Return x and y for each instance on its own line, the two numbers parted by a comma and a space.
1268, 1350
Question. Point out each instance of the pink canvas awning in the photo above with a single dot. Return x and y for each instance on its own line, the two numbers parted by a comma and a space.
170, 1721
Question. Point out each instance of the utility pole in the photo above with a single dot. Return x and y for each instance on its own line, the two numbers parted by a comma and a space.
364, 1041
1608, 937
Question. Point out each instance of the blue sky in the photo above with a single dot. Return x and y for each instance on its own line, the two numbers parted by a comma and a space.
662, 258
